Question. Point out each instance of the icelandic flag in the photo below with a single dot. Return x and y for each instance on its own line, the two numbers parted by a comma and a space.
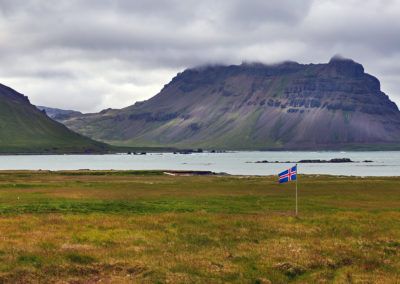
288, 175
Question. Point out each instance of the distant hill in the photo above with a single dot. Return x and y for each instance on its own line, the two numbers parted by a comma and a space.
256, 106
56, 113
25, 129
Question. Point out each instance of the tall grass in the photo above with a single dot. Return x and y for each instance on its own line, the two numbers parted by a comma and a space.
146, 227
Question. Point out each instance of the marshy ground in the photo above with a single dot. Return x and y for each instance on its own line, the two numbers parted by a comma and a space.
147, 227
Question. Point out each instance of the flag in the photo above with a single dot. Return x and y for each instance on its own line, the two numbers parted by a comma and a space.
288, 175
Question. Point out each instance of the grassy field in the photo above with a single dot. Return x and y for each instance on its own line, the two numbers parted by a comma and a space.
146, 227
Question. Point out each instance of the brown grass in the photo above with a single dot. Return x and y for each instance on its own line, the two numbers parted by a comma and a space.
58, 228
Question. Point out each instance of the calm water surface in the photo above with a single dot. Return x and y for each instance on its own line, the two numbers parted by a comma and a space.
241, 163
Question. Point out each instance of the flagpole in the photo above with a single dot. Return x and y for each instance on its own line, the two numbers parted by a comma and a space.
296, 189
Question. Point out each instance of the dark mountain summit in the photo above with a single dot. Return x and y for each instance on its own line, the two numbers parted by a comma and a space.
256, 106
25, 129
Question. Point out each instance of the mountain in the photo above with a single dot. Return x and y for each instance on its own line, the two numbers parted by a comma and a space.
56, 113
255, 106
25, 129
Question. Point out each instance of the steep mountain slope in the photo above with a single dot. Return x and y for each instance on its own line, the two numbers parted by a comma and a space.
256, 106
25, 129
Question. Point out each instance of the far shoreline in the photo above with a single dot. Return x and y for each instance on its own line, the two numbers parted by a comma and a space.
191, 151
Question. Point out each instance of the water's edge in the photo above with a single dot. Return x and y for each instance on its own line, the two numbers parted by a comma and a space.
384, 163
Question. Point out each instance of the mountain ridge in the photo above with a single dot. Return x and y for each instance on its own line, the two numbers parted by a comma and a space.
254, 106
57, 113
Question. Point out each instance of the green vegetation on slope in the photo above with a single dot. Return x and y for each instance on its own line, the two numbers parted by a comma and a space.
148, 227
25, 129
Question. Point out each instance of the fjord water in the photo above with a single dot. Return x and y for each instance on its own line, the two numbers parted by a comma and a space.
239, 163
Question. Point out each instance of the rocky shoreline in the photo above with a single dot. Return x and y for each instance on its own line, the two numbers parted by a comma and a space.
335, 160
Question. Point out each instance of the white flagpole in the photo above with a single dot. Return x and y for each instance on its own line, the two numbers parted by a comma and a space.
296, 191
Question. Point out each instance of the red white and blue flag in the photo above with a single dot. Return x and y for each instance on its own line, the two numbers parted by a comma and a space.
288, 175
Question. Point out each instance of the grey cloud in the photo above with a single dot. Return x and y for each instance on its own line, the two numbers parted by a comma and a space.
111, 53
255, 13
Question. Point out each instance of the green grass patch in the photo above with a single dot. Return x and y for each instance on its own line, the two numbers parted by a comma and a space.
146, 227
79, 258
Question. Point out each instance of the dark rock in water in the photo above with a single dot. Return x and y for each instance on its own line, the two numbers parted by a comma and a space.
341, 160
311, 161
336, 160
188, 151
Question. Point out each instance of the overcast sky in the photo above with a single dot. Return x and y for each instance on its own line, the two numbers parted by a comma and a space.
89, 55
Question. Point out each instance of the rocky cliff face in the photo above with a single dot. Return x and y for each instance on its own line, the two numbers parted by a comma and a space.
255, 106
